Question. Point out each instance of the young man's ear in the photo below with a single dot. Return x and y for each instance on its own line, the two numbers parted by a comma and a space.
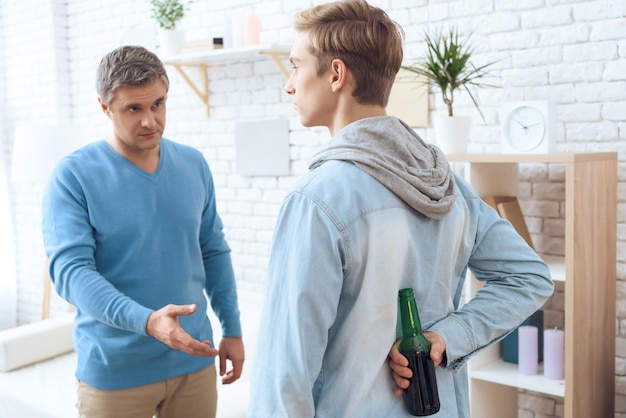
339, 75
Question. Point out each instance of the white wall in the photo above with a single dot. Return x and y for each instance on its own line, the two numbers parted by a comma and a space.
571, 52
8, 285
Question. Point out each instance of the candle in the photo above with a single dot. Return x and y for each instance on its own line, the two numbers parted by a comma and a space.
234, 32
527, 349
251, 29
553, 350
228, 33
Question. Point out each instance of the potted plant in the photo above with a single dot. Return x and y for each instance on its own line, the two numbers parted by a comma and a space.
168, 14
448, 67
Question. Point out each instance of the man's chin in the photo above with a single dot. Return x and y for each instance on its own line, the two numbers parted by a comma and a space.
307, 123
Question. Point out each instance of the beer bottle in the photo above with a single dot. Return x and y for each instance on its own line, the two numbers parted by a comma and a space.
421, 397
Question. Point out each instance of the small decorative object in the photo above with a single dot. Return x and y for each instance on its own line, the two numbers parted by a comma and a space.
554, 347
510, 343
529, 127
218, 43
528, 352
228, 40
251, 29
448, 67
168, 14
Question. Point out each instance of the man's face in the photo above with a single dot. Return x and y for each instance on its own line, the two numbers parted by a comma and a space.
313, 98
138, 116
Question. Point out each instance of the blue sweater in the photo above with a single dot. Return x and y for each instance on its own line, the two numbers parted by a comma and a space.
123, 243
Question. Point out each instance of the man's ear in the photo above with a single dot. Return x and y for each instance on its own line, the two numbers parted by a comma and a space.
339, 75
104, 107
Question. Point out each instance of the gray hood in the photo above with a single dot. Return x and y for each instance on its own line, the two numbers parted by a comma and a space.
391, 152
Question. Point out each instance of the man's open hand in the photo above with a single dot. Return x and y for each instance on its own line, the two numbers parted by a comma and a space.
163, 325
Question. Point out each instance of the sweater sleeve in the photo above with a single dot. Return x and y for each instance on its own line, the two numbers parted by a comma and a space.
70, 245
220, 282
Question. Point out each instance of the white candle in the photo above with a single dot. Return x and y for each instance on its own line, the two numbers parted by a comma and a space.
228, 33
553, 352
236, 31
528, 350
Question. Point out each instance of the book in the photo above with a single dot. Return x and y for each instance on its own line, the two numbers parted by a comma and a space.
199, 45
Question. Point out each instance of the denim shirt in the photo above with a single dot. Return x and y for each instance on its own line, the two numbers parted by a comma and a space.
344, 245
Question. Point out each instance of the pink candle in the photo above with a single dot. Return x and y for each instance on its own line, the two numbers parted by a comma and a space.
553, 351
528, 351
251, 29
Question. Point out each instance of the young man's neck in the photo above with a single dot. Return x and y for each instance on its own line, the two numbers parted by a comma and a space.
355, 113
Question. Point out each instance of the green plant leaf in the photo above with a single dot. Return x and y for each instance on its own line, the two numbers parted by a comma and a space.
447, 66
168, 13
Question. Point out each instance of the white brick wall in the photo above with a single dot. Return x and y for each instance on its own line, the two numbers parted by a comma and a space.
571, 52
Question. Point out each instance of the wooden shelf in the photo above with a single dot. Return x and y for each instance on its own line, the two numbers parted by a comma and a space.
508, 374
203, 59
557, 157
589, 276
557, 267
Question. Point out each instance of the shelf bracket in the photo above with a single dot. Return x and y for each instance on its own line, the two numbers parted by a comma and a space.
276, 57
203, 91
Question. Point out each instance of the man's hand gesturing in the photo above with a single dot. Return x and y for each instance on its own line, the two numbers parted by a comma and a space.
163, 325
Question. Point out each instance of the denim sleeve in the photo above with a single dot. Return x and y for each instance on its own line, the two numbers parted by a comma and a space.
304, 284
516, 283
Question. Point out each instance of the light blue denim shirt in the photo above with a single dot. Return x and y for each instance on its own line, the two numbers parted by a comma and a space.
344, 245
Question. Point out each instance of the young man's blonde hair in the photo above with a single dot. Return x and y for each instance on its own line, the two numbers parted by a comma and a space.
364, 37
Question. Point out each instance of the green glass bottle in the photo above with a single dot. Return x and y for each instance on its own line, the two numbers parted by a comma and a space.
421, 397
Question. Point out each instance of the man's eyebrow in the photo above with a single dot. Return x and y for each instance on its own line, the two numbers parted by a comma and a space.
129, 105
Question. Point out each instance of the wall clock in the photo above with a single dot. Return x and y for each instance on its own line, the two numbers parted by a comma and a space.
529, 127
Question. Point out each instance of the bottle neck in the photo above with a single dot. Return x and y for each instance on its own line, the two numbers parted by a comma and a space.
408, 313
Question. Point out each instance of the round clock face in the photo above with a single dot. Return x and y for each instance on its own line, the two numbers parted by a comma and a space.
524, 128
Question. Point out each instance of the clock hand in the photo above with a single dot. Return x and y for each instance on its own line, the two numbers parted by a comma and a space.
524, 127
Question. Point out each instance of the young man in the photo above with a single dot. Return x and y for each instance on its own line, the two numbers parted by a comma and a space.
379, 211
134, 240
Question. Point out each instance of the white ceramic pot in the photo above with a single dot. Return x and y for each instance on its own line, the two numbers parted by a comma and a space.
452, 133
171, 42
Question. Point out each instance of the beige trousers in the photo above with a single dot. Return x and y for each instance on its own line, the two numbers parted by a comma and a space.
190, 396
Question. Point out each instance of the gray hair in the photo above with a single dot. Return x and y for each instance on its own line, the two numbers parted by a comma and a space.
128, 66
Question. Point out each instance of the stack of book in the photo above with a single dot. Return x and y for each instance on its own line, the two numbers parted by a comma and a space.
200, 45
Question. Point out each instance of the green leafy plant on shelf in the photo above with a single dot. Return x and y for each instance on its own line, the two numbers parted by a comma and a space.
168, 13
448, 67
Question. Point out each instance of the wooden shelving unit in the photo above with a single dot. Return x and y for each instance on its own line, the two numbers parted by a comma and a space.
588, 272
201, 60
